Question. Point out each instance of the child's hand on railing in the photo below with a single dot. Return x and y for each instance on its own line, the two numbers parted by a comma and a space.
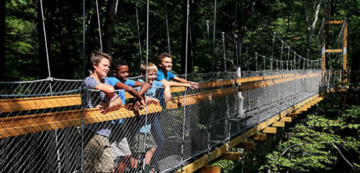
151, 100
194, 85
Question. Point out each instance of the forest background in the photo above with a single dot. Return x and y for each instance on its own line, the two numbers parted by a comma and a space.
248, 26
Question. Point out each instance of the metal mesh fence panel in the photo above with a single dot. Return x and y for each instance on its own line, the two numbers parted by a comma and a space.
48, 125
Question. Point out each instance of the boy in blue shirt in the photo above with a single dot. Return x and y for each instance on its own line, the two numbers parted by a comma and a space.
120, 80
165, 75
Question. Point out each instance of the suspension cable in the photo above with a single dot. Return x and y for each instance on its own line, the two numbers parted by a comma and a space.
167, 29
49, 72
138, 31
214, 31
46, 47
99, 24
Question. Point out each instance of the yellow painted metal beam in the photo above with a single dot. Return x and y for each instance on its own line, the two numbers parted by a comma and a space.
333, 50
21, 125
334, 22
286, 119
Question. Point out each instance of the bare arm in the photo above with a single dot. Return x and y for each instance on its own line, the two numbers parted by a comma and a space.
192, 85
107, 89
143, 86
167, 93
114, 104
181, 80
178, 84
129, 89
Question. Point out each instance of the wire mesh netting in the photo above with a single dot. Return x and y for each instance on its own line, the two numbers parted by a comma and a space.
48, 125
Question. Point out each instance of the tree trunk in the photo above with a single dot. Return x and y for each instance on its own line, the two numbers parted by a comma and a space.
310, 29
355, 63
2, 38
109, 26
333, 8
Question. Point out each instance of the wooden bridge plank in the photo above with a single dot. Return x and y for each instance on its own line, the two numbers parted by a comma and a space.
247, 145
259, 137
270, 130
210, 169
234, 156
279, 124
294, 115
286, 119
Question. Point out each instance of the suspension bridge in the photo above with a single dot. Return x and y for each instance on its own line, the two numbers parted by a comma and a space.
43, 122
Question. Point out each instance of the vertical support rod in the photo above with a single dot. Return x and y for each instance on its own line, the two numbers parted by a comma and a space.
147, 63
224, 51
304, 64
82, 88
247, 59
287, 62
186, 62
273, 47
281, 55
294, 63
264, 60
240, 51
256, 63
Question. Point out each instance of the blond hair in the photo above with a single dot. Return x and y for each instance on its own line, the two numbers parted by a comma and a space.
97, 57
150, 67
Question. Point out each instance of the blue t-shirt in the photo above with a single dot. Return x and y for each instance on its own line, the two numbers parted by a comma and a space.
160, 75
151, 92
112, 81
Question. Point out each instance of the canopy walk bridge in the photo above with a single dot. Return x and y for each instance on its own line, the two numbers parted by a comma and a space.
44, 123
43, 131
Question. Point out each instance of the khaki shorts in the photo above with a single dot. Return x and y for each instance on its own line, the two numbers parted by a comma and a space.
97, 155
121, 148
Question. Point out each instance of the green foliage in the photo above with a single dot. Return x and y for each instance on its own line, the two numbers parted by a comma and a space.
249, 21
225, 165
317, 143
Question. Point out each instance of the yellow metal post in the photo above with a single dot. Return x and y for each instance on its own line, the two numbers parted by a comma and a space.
345, 51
